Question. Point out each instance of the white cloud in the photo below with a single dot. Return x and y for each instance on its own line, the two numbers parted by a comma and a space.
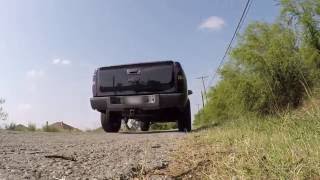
65, 62
24, 106
56, 61
212, 23
61, 61
35, 73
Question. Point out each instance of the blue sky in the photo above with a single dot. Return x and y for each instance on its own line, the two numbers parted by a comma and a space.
49, 49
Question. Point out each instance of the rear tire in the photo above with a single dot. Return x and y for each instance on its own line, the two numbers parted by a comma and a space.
111, 122
184, 119
144, 125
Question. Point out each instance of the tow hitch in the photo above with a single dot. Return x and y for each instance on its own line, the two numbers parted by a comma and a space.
131, 113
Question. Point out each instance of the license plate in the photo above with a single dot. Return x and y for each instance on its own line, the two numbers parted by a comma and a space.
134, 100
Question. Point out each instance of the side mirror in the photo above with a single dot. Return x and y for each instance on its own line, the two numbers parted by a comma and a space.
190, 92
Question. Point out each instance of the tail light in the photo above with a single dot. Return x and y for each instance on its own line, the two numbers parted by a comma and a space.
94, 83
180, 78
180, 82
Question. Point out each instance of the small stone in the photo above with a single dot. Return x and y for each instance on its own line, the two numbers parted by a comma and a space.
156, 146
68, 172
234, 178
26, 176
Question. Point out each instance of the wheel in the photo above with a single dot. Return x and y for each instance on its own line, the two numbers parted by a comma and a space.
184, 119
144, 125
111, 122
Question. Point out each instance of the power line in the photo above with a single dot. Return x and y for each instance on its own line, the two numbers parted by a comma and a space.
243, 16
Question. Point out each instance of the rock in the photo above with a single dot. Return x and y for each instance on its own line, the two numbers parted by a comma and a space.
68, 172
234, 178
26, 176
156, 146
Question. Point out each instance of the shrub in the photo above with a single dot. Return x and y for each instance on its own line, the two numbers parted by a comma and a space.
265, 75
11, 126
3, 114
272, 74
31, 127
164, 126
47, 128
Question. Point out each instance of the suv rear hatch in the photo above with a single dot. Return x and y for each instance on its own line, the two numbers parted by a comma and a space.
136, 79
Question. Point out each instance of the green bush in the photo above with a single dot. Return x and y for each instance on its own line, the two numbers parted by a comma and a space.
265, 75
31, 127
47, 128
20, 127
16, 127
272, 67
11, 126
304, 15
164, 126
272, 75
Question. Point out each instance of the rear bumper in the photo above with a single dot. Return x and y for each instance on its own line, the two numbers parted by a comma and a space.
161, 101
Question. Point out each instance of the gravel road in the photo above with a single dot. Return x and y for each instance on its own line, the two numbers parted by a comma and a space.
40, 155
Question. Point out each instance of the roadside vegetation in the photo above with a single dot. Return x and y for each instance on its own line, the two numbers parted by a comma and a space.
163, 126
3, 114
33, 128
47, 128
10, 127
265, 108
285, 147
99, 129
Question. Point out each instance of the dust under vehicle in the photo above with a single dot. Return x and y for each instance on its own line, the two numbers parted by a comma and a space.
148, 92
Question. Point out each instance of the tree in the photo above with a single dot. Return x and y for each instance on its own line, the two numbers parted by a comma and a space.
271, 67
3, 114
269, 58
264, 75
303, 16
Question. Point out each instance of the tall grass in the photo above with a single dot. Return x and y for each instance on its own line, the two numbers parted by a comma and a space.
285, 147
269, 149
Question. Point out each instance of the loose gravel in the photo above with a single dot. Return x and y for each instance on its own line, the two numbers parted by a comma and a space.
40, 155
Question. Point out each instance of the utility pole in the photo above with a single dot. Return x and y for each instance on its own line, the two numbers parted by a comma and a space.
199, 112
204, 87
202, 100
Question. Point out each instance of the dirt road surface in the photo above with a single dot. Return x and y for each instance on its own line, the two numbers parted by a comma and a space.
40, 155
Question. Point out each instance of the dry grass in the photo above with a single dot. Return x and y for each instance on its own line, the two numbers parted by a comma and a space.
274, 148
46, 128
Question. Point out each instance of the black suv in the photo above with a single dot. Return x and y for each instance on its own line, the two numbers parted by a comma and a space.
147, 92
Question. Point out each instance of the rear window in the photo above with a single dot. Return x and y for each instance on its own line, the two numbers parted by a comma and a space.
145, 78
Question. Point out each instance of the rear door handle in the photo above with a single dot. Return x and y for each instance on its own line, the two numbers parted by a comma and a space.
133, 71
